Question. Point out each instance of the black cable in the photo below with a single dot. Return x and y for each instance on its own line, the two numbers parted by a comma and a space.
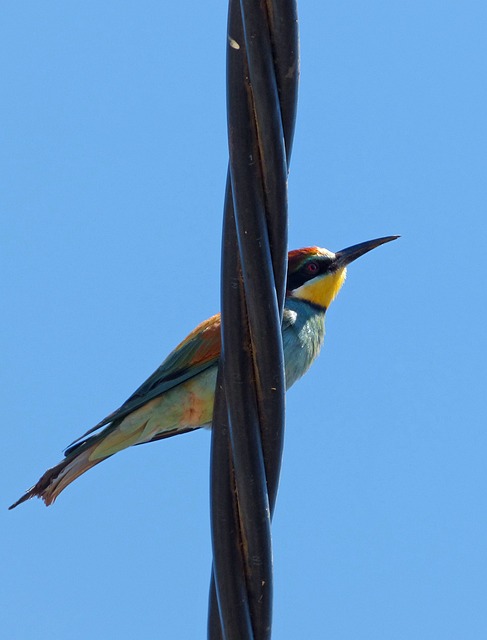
248, 421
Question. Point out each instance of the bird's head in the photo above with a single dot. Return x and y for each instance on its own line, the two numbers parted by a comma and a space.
316, 275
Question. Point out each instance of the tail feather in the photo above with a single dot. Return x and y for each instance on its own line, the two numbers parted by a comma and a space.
84, 455
78, 458
59, 477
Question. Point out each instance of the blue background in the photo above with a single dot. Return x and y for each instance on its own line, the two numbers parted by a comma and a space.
113, 161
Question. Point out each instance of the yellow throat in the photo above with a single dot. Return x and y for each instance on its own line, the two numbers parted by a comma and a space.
323, 289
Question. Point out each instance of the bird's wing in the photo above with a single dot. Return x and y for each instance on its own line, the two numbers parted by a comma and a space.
196, 353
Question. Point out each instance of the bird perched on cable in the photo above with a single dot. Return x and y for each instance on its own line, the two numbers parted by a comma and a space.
178, 396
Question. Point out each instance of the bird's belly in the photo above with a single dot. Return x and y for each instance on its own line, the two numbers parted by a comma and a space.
188, 405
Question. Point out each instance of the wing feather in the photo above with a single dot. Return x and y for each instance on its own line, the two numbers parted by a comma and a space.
196, 353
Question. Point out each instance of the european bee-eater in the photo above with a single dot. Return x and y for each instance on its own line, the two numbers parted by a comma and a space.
178, 396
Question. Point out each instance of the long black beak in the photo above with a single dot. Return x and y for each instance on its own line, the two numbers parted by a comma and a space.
348, 255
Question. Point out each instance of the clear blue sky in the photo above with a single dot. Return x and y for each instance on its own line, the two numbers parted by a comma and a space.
113, 158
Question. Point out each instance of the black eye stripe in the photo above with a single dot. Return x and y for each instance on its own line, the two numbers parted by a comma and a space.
304, 273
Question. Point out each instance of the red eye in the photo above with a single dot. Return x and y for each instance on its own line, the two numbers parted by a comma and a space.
312, 268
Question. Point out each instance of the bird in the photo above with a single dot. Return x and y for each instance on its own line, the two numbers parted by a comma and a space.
178, 397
